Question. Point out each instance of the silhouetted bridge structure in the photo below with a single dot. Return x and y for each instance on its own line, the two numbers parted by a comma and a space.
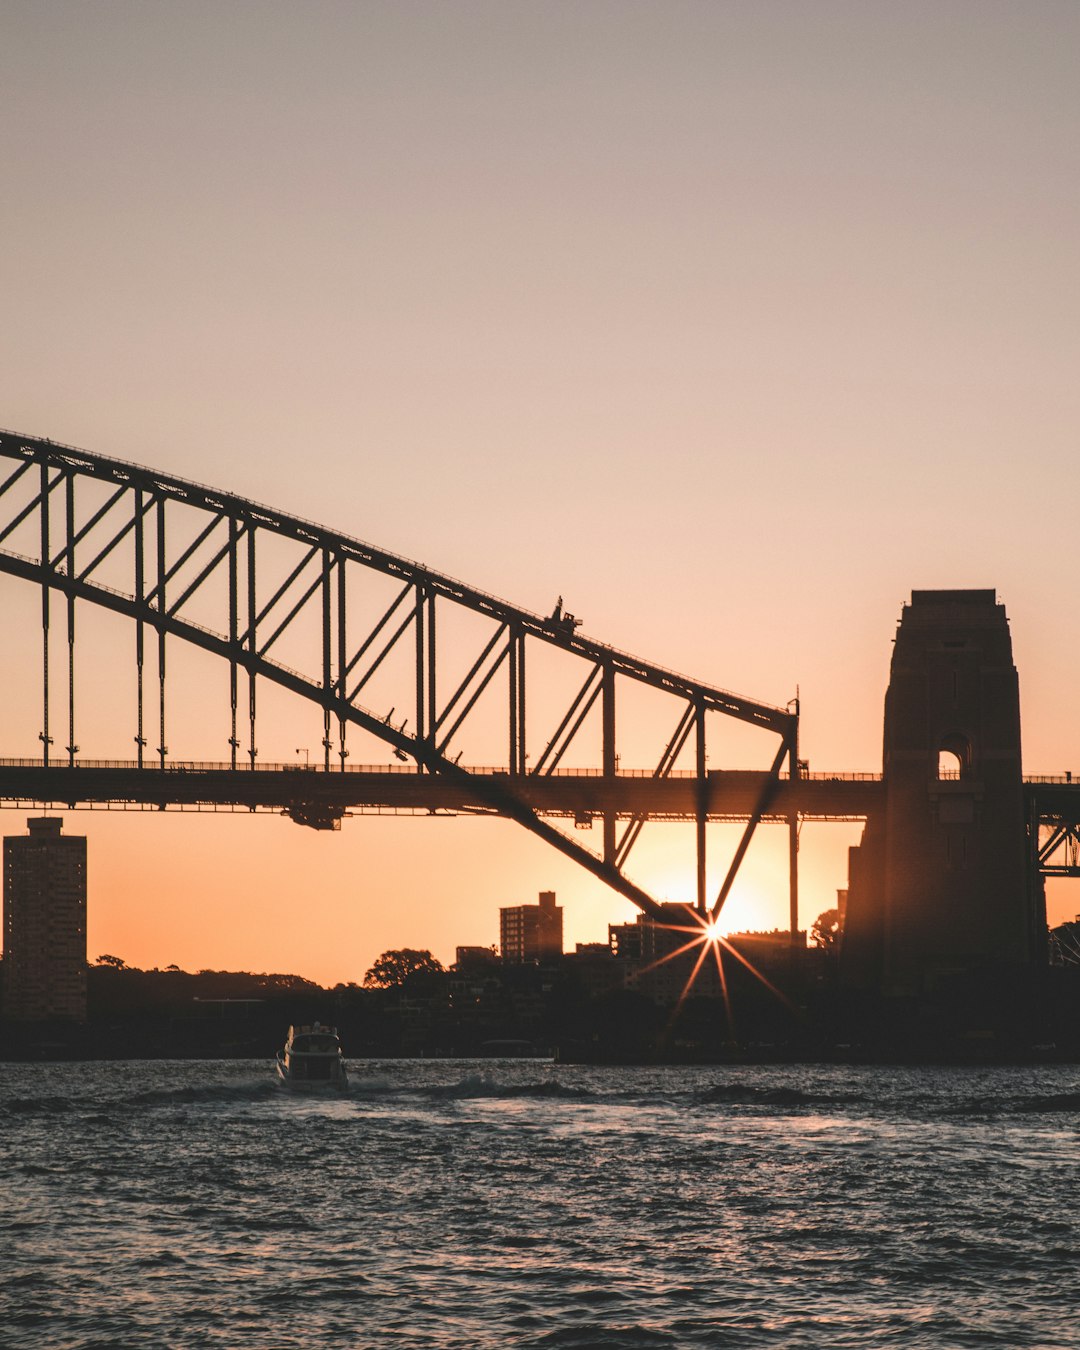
367, 633
317, 796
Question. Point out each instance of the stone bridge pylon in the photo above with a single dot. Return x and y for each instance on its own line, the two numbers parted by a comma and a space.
940, 886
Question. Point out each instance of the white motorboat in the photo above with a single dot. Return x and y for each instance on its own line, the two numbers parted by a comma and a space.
312, 1058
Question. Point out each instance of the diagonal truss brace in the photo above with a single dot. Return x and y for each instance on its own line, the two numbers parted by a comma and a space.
345, 658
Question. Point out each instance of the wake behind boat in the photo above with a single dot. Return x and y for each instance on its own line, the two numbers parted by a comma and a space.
312, 1058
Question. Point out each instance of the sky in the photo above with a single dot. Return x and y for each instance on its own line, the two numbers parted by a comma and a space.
732, 323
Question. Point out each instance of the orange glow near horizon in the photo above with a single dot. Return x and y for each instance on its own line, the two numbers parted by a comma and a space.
235, 891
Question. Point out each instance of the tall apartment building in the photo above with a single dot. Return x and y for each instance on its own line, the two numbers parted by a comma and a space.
45, 923
529, 933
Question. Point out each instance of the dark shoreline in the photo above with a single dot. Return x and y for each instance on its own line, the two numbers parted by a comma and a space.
531, 1012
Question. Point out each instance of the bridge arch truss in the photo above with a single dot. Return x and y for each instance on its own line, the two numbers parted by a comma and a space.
156, 549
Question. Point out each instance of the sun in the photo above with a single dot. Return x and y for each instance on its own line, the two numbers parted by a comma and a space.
706, 943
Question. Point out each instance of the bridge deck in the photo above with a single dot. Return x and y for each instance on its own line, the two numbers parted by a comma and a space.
731, 794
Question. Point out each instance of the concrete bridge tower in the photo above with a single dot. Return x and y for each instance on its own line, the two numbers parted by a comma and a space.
938, 888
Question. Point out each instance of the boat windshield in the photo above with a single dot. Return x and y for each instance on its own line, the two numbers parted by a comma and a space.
315, 1045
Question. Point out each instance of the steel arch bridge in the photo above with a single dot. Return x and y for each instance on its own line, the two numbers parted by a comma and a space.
153, 548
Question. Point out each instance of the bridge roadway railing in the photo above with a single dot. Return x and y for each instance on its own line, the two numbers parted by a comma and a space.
582, 793
579, 793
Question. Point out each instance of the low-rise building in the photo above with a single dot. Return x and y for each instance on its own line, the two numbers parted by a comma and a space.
666, 957
595, 968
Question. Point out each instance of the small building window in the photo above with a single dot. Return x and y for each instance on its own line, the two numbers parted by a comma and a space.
954, 757
949, 765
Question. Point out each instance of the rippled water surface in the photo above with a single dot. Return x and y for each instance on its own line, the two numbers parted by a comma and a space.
457, 1204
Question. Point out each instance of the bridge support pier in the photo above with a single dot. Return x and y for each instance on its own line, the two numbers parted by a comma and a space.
938, 889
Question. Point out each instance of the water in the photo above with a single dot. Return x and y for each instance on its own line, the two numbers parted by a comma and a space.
524, 1204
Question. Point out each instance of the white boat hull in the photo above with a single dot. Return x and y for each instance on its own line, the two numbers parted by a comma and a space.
285, 1079
312, 1061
